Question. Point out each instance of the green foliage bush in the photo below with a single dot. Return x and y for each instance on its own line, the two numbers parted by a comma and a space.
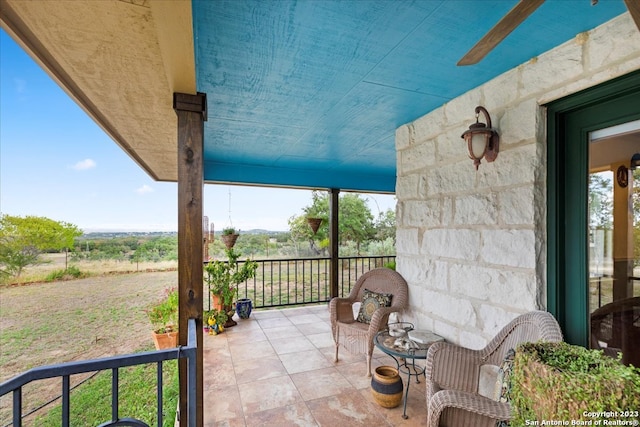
223, 278
559, 381
164, 314
72, 272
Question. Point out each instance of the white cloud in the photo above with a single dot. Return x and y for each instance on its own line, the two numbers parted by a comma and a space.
144, 189
83, 165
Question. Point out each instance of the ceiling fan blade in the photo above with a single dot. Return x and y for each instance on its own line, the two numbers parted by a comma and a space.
634, 9
501, 30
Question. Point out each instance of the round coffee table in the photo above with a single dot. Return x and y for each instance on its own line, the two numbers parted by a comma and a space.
405, 352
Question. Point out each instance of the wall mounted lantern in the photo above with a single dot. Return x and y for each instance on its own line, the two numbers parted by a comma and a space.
482, 140
635, 161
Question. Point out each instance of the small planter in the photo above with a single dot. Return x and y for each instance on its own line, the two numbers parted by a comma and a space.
386, 387
216, 303
229, 240
314, 223
165, 340
244, 307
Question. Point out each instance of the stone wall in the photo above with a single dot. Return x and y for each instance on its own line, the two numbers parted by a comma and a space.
472, 244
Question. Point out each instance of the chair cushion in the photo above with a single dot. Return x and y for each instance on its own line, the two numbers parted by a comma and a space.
371, 301
487, 380
503, 386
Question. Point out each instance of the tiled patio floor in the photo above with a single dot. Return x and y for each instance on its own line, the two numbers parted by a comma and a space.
276, 369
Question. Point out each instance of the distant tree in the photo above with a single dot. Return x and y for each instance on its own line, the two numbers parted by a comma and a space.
385, 226
23, 239
355, 221
162, 248
600, 201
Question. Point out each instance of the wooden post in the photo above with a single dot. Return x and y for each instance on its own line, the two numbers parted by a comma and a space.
622, 236
333, 241
192, 113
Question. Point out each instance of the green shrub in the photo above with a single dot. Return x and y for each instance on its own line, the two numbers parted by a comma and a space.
559, 381
164, 314
72, 272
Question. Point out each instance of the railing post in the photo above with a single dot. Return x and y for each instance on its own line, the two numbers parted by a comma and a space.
333, 240
66, 390
17, 407
114, 394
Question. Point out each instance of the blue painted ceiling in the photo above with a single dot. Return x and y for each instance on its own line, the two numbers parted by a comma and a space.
310, 93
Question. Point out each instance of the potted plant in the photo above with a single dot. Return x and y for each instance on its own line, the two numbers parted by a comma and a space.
164, 318
229, 237
223, 279
215, 320
559, 381
317, 212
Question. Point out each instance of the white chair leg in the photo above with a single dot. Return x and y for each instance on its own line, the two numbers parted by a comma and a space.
368, 365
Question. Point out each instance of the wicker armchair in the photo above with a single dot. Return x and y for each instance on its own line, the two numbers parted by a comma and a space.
453, 373
615, 328
357, 337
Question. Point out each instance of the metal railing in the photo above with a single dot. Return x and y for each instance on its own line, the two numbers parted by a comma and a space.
603, 285
296, 281
65, 370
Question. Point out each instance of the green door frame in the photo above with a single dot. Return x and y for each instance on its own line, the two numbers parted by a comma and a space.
569, 122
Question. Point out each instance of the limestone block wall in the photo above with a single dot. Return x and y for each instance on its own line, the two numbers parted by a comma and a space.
472, 244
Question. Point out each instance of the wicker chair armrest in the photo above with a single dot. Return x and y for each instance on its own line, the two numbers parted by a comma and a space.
341, 310
449, 366
379, 317
472, 403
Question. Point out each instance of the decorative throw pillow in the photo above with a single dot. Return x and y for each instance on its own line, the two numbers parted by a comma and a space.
371, 301
487, 380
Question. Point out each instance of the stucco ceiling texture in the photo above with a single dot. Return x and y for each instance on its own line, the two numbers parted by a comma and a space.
300, 93
107, 57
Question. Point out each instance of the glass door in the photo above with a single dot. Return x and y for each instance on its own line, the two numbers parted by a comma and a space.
614, 241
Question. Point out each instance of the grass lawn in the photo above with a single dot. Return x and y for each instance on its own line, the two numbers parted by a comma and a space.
90, 404
46, 323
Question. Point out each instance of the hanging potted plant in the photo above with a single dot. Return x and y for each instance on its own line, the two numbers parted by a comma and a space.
223, 279
229, 237
164, 318
317, 213
314, 223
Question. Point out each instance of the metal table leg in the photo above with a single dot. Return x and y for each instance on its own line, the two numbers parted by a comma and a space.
410, 370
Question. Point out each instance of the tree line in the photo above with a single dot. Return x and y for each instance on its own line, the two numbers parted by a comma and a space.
24, 239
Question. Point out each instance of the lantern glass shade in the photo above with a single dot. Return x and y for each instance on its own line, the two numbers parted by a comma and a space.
479, 143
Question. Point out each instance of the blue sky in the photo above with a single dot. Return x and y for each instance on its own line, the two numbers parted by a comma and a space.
56, 162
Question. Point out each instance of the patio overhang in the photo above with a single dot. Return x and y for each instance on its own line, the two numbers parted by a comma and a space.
301, 93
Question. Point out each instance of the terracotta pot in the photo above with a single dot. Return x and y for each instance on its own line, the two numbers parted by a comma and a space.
165, 340
216, 302
386, 387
